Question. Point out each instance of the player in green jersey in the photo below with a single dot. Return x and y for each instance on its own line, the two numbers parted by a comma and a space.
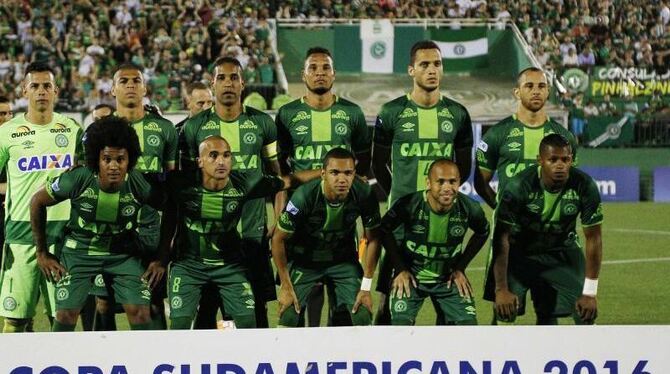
208, 209
5, 115
309, 127
317, 232
158, 141
252, 136
33, 147
511, 145
106, 197
431, 261
413, 131
535, 244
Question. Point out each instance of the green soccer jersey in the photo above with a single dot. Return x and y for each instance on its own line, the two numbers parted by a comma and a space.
325, 233
252, 137
208, 219
306, 134
418, 136
31, 154
509, 147
100, 222
158, 141
433, 242
543, 221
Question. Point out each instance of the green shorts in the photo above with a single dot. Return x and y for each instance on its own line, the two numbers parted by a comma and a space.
555, 279
456, 309
121, 271
22, 282
345, 280
188, 277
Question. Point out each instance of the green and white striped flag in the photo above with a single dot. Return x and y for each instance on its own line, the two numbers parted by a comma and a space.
462, 50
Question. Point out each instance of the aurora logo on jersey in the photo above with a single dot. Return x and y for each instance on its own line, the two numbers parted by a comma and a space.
445, 113
59, 128
427, 149
89, 193
211, 125
302, 115
153, 126
515, 133
248, 125
340, 114
22, 131
45, 162
408, 113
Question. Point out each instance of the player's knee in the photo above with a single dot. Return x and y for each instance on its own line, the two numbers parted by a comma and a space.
137, 314
289, 318
180, 323
15, 325
362, 317
67, 316
102, 305
245, 321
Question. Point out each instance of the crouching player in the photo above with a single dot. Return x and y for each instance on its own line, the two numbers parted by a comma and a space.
431, 261
208, 206
100, 238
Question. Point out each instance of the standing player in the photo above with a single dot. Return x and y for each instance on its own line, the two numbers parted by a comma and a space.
309, 127
535, 243
33, 147
318, 228
431, 261
5, 115
106, 197
198, 98
252, 137
413, 131
511, 145
158, 142
209, 205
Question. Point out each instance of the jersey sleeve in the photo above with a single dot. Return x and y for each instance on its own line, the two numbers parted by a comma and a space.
396, 215
294, 213
592, 209
510, 203
383, 132
463, 138
171, 151
269, 151
284, 139
487, 151
361, 138
67, 185
477, 220
370, 210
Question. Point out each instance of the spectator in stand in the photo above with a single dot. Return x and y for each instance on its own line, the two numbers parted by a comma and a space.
570, 60
587, 59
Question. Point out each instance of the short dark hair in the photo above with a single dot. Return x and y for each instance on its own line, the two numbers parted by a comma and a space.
338, 153
315, 50
195, 86
110, 131
227, 60
103, 105
39, 67
556, 141
526, 70
127, 66
4, 99
441, 161
424, 44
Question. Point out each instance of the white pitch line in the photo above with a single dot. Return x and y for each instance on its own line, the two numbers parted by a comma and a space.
639, 231
610, 262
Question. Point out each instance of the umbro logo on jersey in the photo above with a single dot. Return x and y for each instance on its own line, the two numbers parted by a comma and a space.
28, 144
127, 198
533, 208
301, 130
45, 162
408, 113
514, 147
515, 133
87, 208
340, 114
407, 127
302, 115
445, 113
59, 128
418, 229
22, 131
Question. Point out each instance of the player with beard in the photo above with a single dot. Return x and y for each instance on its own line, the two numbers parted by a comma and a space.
308, 128
511, 145
412, 131
431, 260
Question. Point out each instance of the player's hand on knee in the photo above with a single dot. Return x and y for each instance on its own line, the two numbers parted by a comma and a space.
458, 278
287, 298
506, 304
51, 268
587, 307
363, 298
401, 284
154, 273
